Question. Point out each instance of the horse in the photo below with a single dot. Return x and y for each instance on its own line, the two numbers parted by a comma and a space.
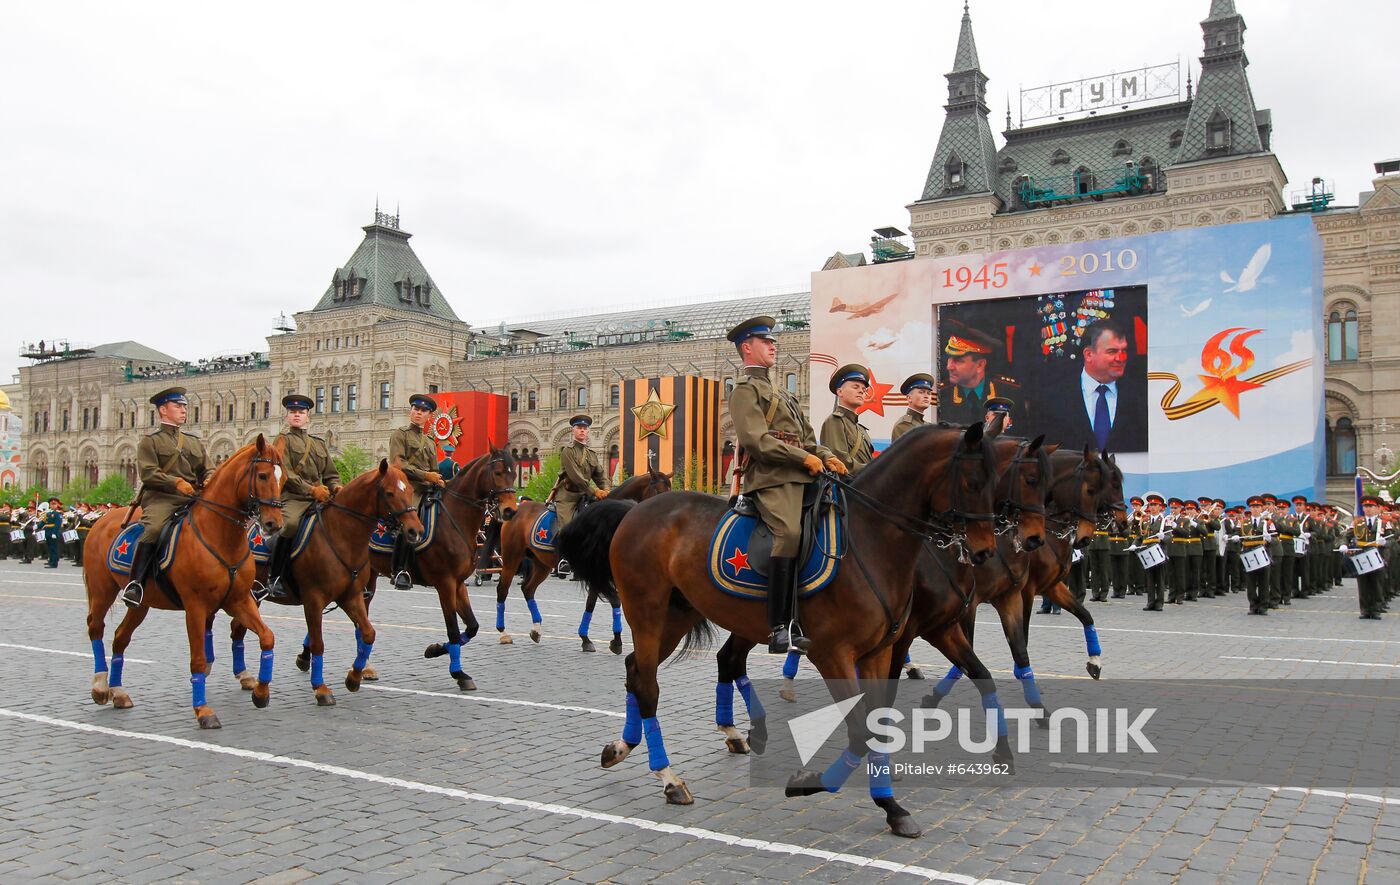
655, 553
519, 557
333, 567
211, 569
445, 564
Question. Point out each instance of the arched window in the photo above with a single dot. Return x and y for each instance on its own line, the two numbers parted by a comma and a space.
530, 401
728, 386
1342, 334
1341, 448
1122, 149
792, 383
615, 395
1151, 172
514, 402
955, 171
582, 397
1175, 141
1218, 131
563, 397
1083, 180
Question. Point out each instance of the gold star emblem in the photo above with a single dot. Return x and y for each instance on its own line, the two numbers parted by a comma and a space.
652, 416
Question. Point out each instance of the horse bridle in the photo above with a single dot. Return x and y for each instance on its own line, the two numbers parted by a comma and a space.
247, 512
492, 495
1068, 517
1010, 509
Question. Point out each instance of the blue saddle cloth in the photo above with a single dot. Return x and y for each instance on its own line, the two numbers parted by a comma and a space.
381, 540
122, 551
257, 544
543, 536
732, 572
262, 551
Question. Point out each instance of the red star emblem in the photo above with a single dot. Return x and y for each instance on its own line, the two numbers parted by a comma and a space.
875, 397
542, 534
739, 561
122, 548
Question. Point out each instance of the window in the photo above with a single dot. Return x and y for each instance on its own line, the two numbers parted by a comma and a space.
728, 386
1083, 180
514, 402
218, 413
196, 414
65, 419
1150, 172
1218, 131
352, 397
1341, 448
1122, 149
792, 383
384, 393
955, 171
432, 388
1175, 141
267, 408
85, 419
335, 399
252, 410
530, 401
615, 395
1342, 345
121, 421
582, 397
318, 343
320, 400
1059, 157
563, 397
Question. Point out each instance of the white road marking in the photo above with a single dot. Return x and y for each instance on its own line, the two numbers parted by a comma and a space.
783, 848
485, 700
1309, 661
1337, 794
76, 654
1036, 625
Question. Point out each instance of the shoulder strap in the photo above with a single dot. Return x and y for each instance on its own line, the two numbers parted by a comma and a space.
175, 456
772, 410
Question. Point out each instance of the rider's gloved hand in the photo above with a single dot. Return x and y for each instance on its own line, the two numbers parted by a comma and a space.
835, 465
813, 464
320, 493
436, 479
600, 494
184, 488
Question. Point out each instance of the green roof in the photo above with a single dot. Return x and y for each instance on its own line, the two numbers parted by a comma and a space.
385, 272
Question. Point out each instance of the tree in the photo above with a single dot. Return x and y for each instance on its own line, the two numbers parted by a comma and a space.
351, 462
113, 489
542, 483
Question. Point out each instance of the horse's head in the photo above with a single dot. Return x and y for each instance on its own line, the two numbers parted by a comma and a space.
500, 481
1022, 490
265, 478
657, 482
1076, 492
968, 492
1111, 503
396, 500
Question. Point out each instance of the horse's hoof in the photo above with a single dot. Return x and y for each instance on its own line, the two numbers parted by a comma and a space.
737, 746
804, 783
464, 682
304, 661
1094, 669
436, 650
208, 669
369, 674
209, 721
914, 673
102, 698
1002, 755
535, 634
615, 752
758, 736
352, 682
588, 645
788, 693
120, 699
262, 695
903, 825
1044, 719
679, 794
932, 700
615, 646
506, 640
325, 699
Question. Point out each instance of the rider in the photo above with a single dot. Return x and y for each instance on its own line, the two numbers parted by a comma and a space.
579, 466
841, 431
782, 455
918, 389
416, 455
171, 464
310, 476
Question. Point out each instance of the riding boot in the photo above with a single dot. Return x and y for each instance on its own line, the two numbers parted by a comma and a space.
141, 561
402, 562
277, 589
780, 603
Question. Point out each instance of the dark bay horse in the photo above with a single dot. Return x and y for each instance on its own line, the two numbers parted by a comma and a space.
445, 564
211, 569
333, 567
533, 565
655, 553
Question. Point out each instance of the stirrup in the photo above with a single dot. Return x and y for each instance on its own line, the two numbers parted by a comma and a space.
402, 581
800, 643
261, 591
778, 640
133, 594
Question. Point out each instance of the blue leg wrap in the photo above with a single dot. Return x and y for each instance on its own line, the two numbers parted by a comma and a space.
908, 658
362, 652
584, 624
265, 666
318, 670
656, 746
209, 646
790, 664
1028, 685
500, 616
534, 611
946, 684
617, 620
115, 680
239, 662
724, 703
836, 775
306, 643
1091, 639
880, 780
991, 702
197, 689
99, 656
632, 725
751, 701
454, 654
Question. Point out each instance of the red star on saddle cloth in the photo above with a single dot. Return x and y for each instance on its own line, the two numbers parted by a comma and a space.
122, 548
739, 561
542, 534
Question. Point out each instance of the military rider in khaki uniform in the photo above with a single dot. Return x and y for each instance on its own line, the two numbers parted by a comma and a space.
781, 455
415, 453
310, 477
579, 467
918, 389
171, 464
841, 431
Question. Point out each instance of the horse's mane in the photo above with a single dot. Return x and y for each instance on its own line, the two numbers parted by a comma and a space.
237, 453
904, 446
633, 483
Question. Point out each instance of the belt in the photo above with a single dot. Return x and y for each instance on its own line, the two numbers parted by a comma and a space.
1190, 540
1287, 537
791, 439
1259, 543
1100, 533
1114, 538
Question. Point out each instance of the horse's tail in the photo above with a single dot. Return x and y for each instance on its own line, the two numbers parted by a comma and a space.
585, 542
699, 638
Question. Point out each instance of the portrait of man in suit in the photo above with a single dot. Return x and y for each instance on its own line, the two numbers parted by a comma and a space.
1108, 407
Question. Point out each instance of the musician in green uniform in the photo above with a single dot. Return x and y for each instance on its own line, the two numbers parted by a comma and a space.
581, 473
1254, 535
780, 454
6, 526
415, 453
962, 398
1119, 538
1234, 574
85, 516
918, 389
1190, 512
171, 464
1150, 531
1208, 520
1099, 546
1136, 516
311, 477
841, 432
1369, 532
53, 531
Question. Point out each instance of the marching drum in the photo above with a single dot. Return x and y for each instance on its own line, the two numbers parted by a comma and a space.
1255, 559
70, 536
1152, 556
1300, 546
1366, 561
17, 536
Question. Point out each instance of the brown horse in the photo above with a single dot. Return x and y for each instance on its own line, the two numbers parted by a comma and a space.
656, 554
333, 567
519, 557
211, 569
449, 559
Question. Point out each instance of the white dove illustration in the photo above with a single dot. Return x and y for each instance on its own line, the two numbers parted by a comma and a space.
1249, 277
1189, 312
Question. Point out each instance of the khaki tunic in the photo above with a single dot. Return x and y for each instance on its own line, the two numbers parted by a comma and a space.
773, 472
307, 464
847, 439
580, 466
416, 455
162, 458
907, 422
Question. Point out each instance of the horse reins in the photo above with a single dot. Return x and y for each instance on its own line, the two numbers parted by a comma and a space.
247, 512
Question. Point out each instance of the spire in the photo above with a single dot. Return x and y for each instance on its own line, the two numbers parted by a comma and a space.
1223, 120
1008, 111
966, 156
966, 57
1221, 9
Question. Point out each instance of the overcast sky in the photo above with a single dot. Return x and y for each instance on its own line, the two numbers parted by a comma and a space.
180, 173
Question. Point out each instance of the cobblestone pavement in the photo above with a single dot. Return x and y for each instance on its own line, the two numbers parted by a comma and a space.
411, 778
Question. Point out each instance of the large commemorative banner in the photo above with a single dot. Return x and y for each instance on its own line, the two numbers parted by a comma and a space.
1194, 355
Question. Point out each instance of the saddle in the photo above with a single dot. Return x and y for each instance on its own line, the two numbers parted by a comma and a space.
544, 531
742, 546
122, 551
383, 538
263, 552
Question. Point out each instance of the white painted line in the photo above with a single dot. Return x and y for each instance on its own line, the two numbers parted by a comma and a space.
76, 654
697, 833
1337, 794
485, 700
1102, 629
1309, 661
